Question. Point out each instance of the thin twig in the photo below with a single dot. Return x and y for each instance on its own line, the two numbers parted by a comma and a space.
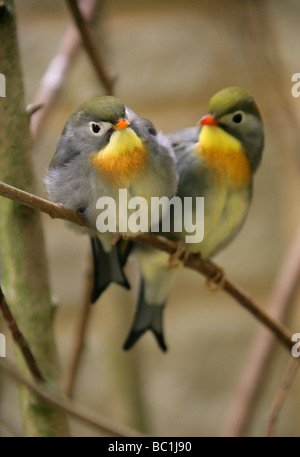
20, 340
108, 82
281, 298
91, 49
281, 394
193, 261
5, 424
40, 204
80, 332
65, 404
57, 70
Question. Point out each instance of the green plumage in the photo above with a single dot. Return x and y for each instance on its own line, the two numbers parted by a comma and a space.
102, 109
232, 99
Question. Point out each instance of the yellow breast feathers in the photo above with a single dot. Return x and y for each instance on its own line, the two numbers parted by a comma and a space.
225, 154
124, 156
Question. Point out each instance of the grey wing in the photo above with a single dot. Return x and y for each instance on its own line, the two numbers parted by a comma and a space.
64, 154
191, 171
181, 139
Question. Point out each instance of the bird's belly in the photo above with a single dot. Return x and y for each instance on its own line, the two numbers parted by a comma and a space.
224, 215
127, 209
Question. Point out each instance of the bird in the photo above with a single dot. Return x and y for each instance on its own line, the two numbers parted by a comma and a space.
217, 160
106, 148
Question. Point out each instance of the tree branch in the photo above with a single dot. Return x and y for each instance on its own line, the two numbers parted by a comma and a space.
281, 298
193, 261
91, 49
80, 332
281, 394
20, 340
55, 211
65, 404
57, 70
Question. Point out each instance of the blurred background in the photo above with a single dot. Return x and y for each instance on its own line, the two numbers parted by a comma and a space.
170, 57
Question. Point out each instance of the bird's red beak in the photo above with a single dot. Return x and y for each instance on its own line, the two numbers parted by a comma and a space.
121, 124
208, 119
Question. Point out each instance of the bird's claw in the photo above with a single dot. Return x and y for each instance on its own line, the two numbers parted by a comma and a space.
115, 240
217, 281
180, 255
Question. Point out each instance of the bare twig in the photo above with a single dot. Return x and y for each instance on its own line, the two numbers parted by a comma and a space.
57, 70
32, 109
65, 404
40, 204
280, 300
5, 424
80, 332
20, 340
193, 261
281, 395
91, 49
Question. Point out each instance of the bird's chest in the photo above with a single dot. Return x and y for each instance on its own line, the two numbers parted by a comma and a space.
226, 204
224, 214
124, 157
224, 158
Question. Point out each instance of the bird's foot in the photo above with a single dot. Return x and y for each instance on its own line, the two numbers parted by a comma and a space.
216, 282
180, 255
115, 240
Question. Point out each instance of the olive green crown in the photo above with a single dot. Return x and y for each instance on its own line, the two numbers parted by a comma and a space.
105, 109
232, 99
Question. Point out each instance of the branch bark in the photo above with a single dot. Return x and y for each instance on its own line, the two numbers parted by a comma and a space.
281, 394
20, 340
25, 275
92, 51
193, 261
57, 70
66, 405
281, 299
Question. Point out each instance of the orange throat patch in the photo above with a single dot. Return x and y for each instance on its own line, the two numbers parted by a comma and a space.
124, 157
225, 156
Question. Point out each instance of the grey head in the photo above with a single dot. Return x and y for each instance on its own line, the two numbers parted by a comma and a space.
236, 112
90, 127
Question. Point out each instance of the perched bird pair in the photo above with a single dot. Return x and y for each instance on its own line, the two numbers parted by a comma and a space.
105, 146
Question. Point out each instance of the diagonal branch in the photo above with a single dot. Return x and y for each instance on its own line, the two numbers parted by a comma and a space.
57, 71
40, 204
91, 49
193, 261
81, 330
281, 394
65, 404
281, 299
20, 340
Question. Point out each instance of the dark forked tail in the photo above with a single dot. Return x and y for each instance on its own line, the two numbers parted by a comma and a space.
108, 267
147, 317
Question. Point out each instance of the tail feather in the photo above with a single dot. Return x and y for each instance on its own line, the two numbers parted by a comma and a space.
147, 317
108, 267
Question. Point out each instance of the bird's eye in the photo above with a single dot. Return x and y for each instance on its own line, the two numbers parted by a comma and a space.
237, 118
95, 128
152, 131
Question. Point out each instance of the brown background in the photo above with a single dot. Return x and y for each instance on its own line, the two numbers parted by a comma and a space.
170, 58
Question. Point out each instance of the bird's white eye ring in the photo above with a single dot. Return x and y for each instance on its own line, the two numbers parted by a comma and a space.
237, 117
95, 128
